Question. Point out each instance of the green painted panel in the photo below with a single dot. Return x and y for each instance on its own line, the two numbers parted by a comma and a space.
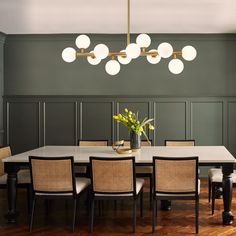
170, 120
140, 107
2, 39
232, 127
96, 121
60, 123
23, 126
207, 123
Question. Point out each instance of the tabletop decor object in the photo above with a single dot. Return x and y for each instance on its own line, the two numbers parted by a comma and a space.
117, 147
135, 127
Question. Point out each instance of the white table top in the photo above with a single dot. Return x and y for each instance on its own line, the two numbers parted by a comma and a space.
206, 154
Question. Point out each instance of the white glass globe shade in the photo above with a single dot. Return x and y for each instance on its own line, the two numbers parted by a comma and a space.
68, 54
133, 50
101, 51
189, 53
176, 66
143, 40
93, 60
82, 41
124, 60
153, 59
112, 67
165, 50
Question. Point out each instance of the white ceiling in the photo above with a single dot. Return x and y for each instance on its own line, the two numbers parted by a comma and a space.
110, 16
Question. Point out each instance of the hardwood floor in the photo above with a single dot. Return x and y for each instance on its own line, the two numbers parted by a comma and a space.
179, 221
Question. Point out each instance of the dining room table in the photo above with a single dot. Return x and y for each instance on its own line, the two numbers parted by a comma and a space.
208, 156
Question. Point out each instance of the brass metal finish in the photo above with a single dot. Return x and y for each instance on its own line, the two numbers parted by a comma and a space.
128, 23
116, 147
123, 54
82, 52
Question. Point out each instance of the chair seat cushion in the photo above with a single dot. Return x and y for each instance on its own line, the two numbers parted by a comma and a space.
3, 179
215, 175
139, 185
144, 170
180, 195
23, 177
81, 184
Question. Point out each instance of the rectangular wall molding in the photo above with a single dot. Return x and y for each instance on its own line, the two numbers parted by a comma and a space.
33, 121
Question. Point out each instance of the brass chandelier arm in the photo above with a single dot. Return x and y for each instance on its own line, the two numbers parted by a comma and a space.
123, 54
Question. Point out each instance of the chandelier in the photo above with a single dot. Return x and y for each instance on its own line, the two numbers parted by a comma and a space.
132, 51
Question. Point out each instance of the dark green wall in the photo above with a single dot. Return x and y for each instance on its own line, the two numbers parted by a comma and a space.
33, 66
2, 39
199, 103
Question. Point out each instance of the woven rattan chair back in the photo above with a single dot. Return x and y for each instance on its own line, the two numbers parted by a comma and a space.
52, 175
97, 143
143, 143
4, 153
175, 175
179, 143
113, 175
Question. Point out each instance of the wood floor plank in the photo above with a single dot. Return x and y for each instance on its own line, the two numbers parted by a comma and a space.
179, 221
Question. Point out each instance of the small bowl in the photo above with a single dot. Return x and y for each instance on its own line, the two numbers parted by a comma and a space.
124, 151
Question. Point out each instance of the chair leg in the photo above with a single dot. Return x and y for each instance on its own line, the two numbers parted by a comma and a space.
150, 197
29, 198
47, 203
197, 213
77, 211
115, 205
91, 215
213, 199
100, 206
141, 203
87, 201
154, 213
74, 214
134, 215
32, 215
209, 190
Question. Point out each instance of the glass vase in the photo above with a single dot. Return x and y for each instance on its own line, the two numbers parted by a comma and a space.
135, 141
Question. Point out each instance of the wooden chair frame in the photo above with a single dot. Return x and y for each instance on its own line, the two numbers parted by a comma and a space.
172, 195
147, 175
54, 194
180, 141
86, 173
27, 186
133, 193
98, 140
213, 189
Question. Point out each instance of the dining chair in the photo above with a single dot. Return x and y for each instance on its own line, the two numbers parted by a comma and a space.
53, 177
175, 178
92, 142
215, 178
23, 176
82, 171
114, 179
177, 143
144, 171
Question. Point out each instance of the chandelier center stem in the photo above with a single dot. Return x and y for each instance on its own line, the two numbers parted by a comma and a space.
128, 23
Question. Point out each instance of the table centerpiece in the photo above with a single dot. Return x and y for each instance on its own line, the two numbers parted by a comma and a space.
136, 128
